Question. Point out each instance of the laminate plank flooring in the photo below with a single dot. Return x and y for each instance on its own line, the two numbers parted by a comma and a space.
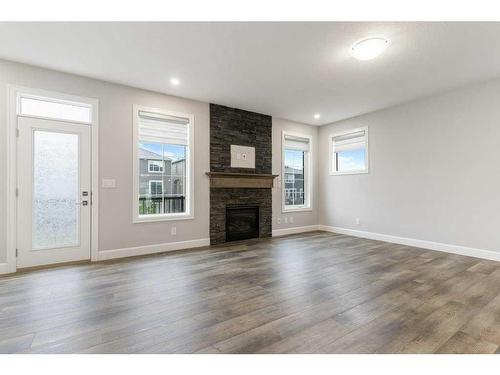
308, 293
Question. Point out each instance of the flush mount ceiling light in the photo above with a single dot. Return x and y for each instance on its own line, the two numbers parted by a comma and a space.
175, 81
368, 49
317, 116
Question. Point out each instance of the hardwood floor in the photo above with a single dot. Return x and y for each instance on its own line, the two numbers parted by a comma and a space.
307, 293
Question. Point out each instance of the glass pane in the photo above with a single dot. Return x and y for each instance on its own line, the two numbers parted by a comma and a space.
351, 160
56, 110
55, 189
294, 177
162, 178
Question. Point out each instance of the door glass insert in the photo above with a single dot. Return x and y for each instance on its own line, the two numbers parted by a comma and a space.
55, 190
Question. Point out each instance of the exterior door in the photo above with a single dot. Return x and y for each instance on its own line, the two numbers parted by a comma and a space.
54, 199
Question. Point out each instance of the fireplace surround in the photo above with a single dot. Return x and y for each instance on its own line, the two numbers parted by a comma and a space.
239, 187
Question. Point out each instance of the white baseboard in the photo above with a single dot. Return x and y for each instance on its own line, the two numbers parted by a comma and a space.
151, 249
5, 268
455, 249
284, 232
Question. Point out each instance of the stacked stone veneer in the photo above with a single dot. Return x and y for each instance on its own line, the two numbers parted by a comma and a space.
231, 126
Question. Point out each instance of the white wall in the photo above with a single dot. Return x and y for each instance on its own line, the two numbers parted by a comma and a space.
434, 171
434, 166
300, 219
116, 229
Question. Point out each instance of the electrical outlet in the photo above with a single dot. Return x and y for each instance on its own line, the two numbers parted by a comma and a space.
278, 220
173, 231
291, 219
357, 221
286, 220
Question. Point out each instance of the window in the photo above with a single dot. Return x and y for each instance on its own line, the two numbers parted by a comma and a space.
54, 109
296, 172
156, 187
155, 166
162, 165
349, 152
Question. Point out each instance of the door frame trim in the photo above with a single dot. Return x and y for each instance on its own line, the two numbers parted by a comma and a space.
13, 92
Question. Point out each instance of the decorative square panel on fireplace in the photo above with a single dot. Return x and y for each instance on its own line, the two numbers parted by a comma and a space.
242, 157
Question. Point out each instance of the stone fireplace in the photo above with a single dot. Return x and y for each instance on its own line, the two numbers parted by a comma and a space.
235, 187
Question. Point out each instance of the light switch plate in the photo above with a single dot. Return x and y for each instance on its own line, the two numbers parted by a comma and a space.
242, 157
108, 183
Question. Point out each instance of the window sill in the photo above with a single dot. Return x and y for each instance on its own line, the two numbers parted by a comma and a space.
158, 218
298, 209
348, 173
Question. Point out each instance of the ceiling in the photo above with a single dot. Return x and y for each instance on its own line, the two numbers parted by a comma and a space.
288, 70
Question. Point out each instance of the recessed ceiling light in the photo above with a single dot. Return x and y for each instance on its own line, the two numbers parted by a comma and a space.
368, 49
175, 81
317, 116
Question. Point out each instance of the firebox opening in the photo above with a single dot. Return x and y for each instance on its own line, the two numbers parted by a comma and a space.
242, 222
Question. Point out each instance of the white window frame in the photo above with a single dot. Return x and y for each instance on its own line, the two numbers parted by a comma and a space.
58, 98
162, 186
308, 157
189, 202
158, 163
331, 160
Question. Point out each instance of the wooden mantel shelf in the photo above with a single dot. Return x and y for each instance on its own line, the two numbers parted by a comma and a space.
241, 180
